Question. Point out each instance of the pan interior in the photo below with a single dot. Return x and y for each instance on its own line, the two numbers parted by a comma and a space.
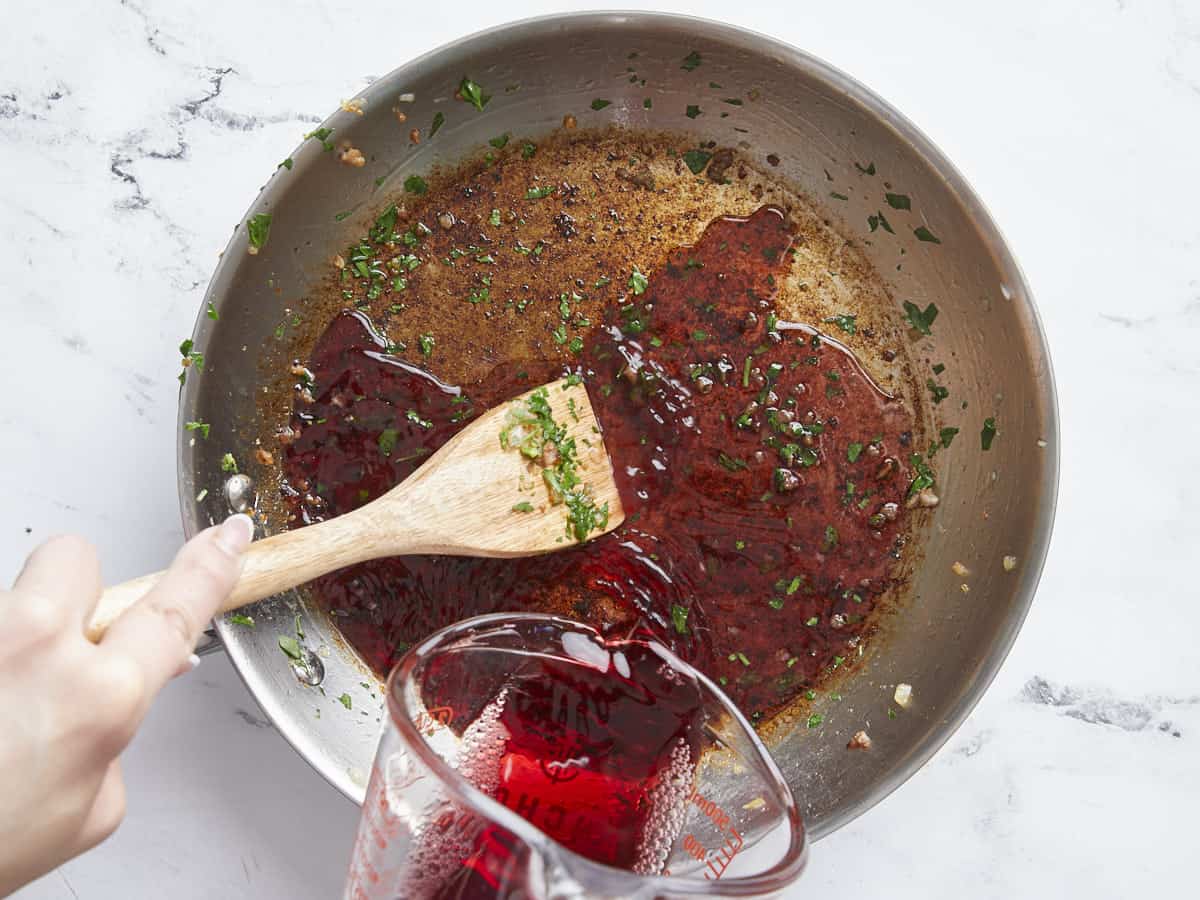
824, 135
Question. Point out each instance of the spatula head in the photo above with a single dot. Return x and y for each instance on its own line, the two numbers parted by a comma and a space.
528, 476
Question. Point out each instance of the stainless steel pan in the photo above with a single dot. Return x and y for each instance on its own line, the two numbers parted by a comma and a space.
947, 644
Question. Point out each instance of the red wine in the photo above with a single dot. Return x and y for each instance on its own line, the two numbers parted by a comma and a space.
597, 751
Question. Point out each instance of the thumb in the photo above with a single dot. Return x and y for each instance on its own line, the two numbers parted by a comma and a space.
160, 631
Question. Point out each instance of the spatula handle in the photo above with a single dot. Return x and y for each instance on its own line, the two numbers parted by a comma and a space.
271, 565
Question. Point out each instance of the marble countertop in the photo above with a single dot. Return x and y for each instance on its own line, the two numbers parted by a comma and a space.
133, 134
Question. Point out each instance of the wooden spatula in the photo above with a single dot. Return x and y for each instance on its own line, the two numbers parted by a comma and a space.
501, 487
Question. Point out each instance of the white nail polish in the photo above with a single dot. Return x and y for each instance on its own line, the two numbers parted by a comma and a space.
236, 533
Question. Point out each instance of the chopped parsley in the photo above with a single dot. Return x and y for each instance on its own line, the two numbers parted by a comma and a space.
947, 435
494, 218
599, 104
921, 320
638, 282
537, 193
646, 104
679, 617
426, 344
242, 619
692, 111
924, 234
415, 184
415, 417
868, 169
939, 369
228, 463
836, 196
831, 538
988, 433
286, 164
739, 657
345, 700
938, 392
473, 93
898, 201
815, 720
696, 160
500, 141
854, 451
438, 121
290, 646
387, 441
529, 428
258, 229
527, 150
732, 463
523, 507
381, 231
201, 427
878, 221
846, 322
212, 312
691, 61
924, 477
322, 135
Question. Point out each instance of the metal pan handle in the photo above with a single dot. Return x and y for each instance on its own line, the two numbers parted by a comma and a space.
210, 642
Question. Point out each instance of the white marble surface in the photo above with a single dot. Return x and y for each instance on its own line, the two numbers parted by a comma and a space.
134, 133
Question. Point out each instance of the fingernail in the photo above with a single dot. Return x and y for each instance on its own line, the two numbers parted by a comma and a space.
235, 533
187, 665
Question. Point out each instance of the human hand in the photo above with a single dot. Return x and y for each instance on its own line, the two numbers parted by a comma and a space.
69, 706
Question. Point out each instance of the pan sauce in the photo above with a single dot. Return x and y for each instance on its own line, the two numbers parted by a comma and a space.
764, 467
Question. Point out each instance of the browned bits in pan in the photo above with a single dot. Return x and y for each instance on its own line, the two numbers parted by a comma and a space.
860, 741
351, 156
719, 165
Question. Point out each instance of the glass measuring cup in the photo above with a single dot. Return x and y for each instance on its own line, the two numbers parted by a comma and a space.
526, 757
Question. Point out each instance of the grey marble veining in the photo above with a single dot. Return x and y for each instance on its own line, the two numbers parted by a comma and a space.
133, 135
